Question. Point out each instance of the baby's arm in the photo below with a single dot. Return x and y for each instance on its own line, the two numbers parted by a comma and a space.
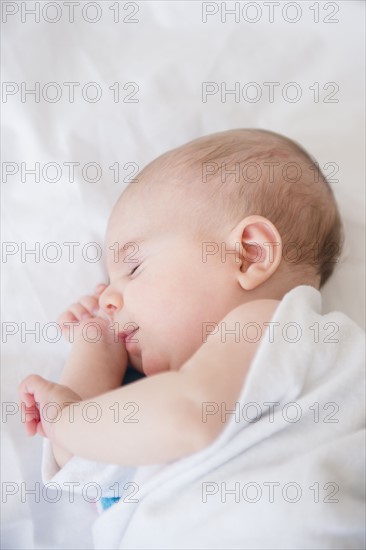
160, 418
92, 368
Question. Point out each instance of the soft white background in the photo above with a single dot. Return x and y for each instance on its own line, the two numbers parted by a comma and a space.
169, 53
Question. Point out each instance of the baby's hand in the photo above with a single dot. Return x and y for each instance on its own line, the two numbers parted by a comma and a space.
86, 309
35, 394
94, 337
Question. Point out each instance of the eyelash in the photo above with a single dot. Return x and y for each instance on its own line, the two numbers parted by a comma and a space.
134, 269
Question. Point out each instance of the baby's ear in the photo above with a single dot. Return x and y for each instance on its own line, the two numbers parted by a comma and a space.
260, 250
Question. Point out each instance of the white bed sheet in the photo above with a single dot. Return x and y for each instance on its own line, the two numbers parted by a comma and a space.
169, 53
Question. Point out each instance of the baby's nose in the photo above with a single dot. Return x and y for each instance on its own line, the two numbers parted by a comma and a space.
110, 301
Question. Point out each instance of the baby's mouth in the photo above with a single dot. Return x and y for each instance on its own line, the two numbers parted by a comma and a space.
127, 336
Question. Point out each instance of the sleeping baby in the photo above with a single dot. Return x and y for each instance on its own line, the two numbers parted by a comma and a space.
215, 256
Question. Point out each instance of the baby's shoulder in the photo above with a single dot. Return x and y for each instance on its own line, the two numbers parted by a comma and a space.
228, 347
217, 370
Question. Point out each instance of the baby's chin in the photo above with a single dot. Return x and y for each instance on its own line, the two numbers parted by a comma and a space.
148, 364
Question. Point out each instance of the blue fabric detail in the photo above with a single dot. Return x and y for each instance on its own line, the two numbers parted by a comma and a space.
107, 502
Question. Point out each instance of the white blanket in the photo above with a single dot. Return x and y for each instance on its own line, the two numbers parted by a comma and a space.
292, 478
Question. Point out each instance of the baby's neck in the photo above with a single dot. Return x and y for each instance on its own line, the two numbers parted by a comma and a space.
276, 288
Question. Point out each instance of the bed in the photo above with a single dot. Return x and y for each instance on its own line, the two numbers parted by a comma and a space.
90, 96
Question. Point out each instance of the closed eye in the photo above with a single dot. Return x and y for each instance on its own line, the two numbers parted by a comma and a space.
134, 269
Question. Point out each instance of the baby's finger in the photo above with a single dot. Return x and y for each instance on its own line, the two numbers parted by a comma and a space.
67, 317
32, 421
63, 322
79, 311
30, 412
26, 398
31, 425
90, 303
99, 289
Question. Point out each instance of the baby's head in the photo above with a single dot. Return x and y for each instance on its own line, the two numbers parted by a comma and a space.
225, 219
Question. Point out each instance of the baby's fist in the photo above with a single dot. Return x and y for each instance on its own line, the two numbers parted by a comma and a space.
35, 396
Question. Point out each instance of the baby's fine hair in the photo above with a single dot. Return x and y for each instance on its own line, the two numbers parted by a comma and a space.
227, 176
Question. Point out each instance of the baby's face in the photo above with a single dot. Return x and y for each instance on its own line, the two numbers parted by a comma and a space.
171, 291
